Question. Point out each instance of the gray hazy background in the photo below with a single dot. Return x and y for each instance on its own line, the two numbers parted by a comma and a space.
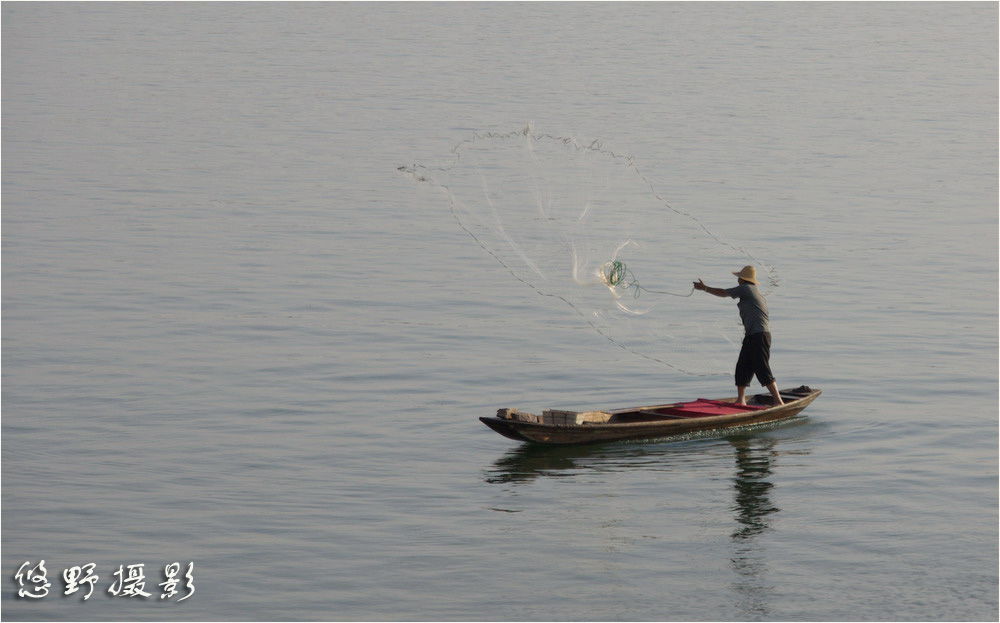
235, 335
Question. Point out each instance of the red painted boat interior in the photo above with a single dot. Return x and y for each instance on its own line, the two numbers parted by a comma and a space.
704, 407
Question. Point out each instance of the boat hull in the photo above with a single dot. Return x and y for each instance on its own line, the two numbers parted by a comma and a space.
654, 429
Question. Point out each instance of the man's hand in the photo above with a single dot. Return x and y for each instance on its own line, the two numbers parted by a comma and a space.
700, 285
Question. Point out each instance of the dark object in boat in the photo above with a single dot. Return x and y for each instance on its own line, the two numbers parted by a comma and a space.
652, 422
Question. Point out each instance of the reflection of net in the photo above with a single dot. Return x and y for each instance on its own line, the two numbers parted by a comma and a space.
579, 223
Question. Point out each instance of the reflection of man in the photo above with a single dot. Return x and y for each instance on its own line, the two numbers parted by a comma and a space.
755, 355
753, 508
752, 487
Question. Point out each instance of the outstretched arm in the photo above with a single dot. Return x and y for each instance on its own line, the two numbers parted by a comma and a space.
700, 285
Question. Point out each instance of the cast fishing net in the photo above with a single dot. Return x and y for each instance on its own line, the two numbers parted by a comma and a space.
580, 224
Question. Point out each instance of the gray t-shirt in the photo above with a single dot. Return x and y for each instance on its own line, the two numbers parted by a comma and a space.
753, 308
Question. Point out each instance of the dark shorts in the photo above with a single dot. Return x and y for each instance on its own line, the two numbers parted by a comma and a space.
754, 359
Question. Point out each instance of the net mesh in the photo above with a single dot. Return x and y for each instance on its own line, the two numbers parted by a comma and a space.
580, 224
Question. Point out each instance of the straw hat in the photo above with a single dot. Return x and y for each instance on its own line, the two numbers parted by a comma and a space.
748, 273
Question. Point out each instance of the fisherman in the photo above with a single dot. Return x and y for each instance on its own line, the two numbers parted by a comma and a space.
755, 354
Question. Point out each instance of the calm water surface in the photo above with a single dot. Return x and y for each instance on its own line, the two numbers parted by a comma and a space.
235, 336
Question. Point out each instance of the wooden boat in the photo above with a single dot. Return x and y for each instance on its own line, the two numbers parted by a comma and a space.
651, 422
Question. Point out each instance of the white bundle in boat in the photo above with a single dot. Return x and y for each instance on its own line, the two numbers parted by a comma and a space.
520, 416
557, 417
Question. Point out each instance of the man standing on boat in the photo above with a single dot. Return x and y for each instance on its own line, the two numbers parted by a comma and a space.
755, 355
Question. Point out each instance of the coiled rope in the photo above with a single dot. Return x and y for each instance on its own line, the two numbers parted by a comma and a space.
614, 273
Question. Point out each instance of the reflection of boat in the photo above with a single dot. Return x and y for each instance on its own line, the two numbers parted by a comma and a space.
526, 462
652, 422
